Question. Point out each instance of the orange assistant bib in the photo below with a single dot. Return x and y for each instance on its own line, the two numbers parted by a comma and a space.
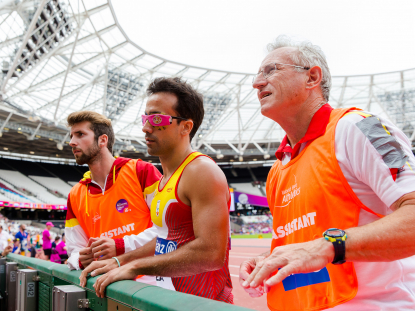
121, 211
307, 196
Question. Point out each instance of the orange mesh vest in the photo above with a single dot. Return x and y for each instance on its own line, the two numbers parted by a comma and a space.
120, 211
307, 196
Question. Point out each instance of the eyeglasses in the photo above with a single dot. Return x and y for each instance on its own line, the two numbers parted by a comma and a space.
272, 68
159, 119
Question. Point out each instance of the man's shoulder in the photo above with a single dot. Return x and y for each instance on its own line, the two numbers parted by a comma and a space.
204, 163
354, 116
203, 168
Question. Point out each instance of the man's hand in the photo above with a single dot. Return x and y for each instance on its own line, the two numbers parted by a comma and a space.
102, 248
245, 270
290, 259
86, 256
125, 272
97, 268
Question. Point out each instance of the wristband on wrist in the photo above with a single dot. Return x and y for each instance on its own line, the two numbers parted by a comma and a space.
338, 238
118, 262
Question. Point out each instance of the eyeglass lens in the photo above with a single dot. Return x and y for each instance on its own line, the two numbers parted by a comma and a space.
268, 71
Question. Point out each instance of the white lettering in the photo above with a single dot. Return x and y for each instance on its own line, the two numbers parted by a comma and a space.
114, 231
295, 225
311, 216
274, 235
117, 231
291, 195
281, 232
287, 229
306, 223
300, 223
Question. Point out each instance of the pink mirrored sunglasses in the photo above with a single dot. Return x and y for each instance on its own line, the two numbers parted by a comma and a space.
159, 119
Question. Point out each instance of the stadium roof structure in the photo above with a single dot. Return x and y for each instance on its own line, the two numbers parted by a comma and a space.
60, 56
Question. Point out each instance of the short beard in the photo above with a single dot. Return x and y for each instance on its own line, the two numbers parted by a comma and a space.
89, 156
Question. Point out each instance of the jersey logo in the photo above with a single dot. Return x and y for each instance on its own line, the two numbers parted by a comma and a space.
305, 279
169, 189
121, 205
96, 217
164, 246
158, 208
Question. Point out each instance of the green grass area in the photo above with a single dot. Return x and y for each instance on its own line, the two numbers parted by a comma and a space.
251, 236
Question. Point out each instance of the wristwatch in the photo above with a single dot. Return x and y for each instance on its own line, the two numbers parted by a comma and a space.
338, 238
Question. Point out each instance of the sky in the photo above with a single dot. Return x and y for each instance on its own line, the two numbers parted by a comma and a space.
358, 37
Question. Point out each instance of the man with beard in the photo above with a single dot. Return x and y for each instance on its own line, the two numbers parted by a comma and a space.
112, 201
190, 208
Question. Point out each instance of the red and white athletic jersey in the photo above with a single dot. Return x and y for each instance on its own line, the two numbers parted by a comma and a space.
118, 211
376, 159
174, 224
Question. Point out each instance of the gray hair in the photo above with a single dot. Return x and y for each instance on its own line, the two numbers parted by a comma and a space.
308, 55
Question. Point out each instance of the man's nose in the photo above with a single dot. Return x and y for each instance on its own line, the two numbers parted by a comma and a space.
259, 82
147, 128
72, 142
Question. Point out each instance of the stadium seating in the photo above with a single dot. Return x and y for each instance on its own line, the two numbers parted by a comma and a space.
54, 184
246, 187
23, 182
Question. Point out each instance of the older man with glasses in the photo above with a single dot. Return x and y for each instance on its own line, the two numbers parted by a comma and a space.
342, 194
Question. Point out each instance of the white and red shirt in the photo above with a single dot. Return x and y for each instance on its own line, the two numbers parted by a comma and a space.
382, 285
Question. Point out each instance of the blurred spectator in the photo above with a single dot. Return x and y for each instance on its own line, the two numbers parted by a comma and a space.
59, 254
4, 237
22, 235
56, 242
16, 246
47, 245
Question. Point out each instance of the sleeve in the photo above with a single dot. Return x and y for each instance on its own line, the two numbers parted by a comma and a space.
148, 176
378, 154
76, 238
132, 242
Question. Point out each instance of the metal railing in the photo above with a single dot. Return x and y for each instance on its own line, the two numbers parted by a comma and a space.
121, 296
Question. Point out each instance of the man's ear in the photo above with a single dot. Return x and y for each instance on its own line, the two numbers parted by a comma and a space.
103, 141
187, 127
315, 75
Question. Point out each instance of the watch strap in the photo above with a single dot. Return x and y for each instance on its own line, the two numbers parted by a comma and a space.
339, 251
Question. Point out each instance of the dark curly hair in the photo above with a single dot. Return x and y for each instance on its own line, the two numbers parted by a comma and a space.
189, 101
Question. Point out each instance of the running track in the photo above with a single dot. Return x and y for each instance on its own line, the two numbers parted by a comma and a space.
241, 250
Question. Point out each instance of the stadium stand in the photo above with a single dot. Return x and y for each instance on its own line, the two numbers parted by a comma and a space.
246, 187
12, 194
25, 183
56, 185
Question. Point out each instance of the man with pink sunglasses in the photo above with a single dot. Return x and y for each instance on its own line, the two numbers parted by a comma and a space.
190, 207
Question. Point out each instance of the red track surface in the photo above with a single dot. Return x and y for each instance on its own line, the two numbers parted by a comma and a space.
241, 250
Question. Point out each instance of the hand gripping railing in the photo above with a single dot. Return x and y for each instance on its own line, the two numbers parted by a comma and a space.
121, 296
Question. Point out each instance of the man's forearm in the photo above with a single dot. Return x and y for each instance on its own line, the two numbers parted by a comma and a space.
386, 239
144, 251
190, 259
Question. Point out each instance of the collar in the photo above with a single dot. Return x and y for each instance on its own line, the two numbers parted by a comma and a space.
316, 129
118, 163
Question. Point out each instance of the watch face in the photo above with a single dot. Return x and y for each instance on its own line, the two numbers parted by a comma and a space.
335, 232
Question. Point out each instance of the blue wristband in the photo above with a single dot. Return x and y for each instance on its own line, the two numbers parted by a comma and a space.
118, 262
